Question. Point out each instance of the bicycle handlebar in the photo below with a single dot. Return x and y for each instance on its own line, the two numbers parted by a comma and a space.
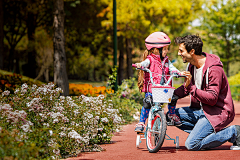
151, 78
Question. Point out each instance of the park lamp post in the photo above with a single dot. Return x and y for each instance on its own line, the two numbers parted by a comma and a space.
115, 39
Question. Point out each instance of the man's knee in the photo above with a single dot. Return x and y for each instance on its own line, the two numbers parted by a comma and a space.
191, 145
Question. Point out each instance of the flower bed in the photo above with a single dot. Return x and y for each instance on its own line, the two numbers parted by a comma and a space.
38, 123
88, 90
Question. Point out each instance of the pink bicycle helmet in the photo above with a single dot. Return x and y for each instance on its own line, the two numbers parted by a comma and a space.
157, 40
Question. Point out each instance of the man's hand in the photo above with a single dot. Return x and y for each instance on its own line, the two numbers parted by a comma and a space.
188, 77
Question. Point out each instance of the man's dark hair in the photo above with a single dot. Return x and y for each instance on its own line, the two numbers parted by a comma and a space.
191, 42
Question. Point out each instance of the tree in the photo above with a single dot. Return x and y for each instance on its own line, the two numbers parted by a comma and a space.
221, 27
1, 35
37, 15
21, 19
136, 19
14, 27
60, 73
88, 48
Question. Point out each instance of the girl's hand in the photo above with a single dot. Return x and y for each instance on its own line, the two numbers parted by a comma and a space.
188, 77
138, 65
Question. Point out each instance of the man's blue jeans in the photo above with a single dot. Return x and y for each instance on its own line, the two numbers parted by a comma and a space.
201, 132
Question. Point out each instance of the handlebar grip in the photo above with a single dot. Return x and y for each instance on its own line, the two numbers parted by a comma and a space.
134, 65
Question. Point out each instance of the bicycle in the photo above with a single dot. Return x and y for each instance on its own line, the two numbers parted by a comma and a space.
155, 132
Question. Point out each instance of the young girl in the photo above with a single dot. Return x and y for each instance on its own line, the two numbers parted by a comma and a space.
155, 58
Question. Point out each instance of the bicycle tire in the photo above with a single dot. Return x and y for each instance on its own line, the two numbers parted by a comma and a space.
155, 136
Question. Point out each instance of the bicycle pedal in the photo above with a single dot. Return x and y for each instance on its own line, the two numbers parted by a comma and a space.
170, 123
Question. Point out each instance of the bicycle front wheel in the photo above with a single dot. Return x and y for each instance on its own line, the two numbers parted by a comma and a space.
156, 135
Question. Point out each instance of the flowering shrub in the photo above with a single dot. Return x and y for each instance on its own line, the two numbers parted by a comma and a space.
130, 90
128, 99
38, 123
88, 90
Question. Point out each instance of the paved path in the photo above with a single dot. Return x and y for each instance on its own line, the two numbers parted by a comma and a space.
123, 146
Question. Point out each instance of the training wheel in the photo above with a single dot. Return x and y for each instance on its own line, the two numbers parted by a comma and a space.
138, 141
177, 142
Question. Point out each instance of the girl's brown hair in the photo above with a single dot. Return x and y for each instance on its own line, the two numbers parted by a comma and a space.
141, 73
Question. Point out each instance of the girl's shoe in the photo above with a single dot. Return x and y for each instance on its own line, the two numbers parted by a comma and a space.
173, 119
140, 127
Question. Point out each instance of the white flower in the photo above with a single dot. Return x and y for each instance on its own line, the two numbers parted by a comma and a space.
62, 134
6, 107
59, 89
24, 86
73, 134
76, 112
16, 91
100, 129
117, 119
26, 128
69, 98
55, 120
34, 86
56, 151
97, 117
88, 115
6, 93
51, 132
104, 119
46, 124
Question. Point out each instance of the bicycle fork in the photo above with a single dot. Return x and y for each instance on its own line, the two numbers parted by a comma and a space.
157, 107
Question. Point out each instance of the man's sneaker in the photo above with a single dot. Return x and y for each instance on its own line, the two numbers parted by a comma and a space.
139, 127
173, 119
236, 144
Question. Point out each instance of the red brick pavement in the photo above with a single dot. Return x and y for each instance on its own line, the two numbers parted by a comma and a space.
123, 146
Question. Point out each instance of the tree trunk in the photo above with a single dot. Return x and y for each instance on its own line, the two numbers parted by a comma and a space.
31, 26
60, 72
121, 58
46, 75
11, 58
129, 58
1, 34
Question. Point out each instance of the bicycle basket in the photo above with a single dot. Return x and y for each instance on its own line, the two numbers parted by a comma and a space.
162, 94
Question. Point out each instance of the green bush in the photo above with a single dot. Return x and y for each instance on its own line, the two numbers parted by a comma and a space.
234, 82
55, 125
128, 99
38, 123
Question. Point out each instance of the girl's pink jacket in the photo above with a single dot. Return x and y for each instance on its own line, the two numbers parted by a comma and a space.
158, 68
214, 95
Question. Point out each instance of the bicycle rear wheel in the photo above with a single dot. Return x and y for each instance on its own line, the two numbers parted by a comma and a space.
156, 135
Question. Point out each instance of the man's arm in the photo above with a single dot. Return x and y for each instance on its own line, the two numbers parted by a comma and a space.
210, 94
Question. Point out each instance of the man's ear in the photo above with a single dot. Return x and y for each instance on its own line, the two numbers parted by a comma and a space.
192, 51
